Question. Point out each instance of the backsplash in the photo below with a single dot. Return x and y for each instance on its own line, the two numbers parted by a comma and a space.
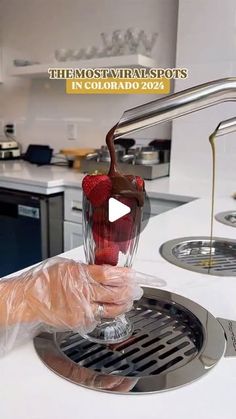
41, 109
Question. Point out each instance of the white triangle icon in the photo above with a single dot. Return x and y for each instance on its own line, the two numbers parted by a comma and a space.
116, 209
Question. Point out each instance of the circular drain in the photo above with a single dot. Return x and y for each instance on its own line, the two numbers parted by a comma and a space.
199, 254
227, 217
175, 341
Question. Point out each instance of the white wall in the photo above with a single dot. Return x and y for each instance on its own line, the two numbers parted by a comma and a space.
35, 28
206, 44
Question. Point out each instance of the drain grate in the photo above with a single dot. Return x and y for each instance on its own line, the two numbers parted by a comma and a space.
227, 217
197, 254
161, 340
174, 342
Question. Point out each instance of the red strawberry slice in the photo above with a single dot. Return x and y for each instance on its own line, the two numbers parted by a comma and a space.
97, 189
107, 255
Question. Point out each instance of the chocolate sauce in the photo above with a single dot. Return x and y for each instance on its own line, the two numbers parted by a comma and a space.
120, 184
111, 147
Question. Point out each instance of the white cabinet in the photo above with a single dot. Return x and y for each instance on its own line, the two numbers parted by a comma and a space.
73, 235
73, 205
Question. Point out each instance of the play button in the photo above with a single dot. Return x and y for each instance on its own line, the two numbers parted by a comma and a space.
116, 209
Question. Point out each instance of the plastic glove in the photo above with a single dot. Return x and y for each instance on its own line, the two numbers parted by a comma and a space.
88, 377
62, 294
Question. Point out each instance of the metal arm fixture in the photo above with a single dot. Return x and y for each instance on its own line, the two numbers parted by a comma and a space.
179, 104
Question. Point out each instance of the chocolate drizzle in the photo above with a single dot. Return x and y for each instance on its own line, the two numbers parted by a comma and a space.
120, 184
111, 147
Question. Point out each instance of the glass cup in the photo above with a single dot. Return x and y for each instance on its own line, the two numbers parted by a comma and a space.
100, 236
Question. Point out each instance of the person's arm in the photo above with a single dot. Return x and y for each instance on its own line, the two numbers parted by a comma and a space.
17, 319
63, 294
13, 306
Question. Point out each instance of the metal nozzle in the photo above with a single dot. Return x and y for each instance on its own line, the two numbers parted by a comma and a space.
179, 104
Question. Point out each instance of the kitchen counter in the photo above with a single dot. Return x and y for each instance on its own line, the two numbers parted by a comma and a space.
30, 390
24, 176
47, 180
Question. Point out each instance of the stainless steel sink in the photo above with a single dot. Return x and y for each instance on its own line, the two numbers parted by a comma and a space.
198, 254
227, 217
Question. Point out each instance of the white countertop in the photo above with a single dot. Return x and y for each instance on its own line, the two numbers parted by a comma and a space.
47, 180
30, 390
28, 177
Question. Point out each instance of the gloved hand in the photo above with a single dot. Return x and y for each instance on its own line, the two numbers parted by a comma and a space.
62, 294
88, 377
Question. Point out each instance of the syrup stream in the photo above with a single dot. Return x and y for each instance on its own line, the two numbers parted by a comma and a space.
212, 143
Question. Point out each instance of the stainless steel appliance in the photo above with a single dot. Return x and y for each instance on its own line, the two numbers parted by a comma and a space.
142, 161
103, 154
143, 155
31, 228
175, 342
164, 147
9, 149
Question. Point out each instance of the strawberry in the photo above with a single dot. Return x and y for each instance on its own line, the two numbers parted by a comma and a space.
140, 183
131, 178
124, 245
102, 235
130, 202
107, 255
137, 181
124, 228
123, 222
97, 188
100, 215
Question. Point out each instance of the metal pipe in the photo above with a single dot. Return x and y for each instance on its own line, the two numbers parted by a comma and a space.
225, 127
176, 105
